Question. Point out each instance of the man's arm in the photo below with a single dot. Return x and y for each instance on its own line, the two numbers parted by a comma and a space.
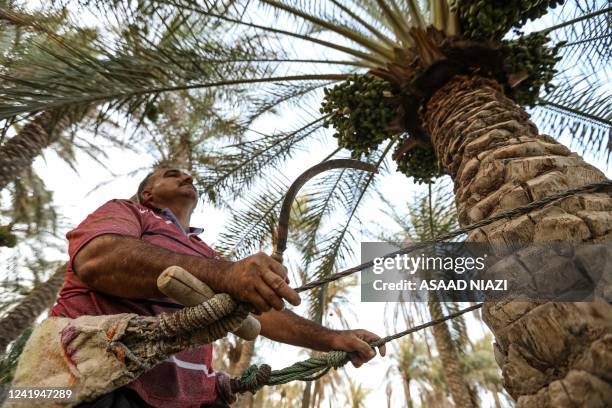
129, 267
287, 327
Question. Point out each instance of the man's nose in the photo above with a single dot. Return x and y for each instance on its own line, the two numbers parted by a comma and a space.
187, 179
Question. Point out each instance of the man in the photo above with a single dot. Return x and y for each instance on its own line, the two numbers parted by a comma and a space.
116, 255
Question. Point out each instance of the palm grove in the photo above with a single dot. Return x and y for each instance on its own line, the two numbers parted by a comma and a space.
439, 87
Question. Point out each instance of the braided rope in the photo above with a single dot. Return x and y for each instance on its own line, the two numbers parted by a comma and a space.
254, 378
190, 319
152, 340
211, 319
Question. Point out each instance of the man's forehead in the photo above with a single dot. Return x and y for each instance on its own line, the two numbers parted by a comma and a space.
162, 171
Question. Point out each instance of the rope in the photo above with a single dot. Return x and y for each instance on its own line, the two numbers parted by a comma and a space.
212, 319
254, 377
506, 215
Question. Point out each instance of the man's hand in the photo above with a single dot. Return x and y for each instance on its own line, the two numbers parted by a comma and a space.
356, 343
261, 281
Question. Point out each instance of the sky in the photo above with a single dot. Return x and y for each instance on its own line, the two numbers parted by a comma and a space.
75, 199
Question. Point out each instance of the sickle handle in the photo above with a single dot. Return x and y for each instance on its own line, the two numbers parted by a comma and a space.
277, 256
180, 285
283, 219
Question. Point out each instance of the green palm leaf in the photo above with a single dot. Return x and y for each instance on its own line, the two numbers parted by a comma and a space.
240, 165
251, 227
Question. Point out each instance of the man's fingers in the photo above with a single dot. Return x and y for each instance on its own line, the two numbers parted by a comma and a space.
382, 350
281, 288
363, 349
259, 302
269, 296
356, 360
279, 269
370, 337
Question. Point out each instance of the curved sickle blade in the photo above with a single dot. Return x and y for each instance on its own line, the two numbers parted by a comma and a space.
283, 219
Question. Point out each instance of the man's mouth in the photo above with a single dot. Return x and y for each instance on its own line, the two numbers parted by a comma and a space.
190, 185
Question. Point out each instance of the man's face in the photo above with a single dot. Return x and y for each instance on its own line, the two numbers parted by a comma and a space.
166, 185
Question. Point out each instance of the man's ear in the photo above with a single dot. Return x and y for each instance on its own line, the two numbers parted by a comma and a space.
146, 196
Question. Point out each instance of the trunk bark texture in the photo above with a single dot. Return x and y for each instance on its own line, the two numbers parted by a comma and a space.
407, 395
17, 153
495, 394
453, 372
33, 305
306, 395
551, 354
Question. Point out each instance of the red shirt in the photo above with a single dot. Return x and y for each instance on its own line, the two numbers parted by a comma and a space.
186, 380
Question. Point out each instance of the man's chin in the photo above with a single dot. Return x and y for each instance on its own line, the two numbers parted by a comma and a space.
192, 194
186, 193
189, 187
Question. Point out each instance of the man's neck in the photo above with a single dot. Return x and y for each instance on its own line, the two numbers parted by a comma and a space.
181, 211
183, 215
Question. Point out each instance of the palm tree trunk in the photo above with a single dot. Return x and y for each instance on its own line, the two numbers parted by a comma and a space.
309, 393
316, 395
17, 153
495, 393
453, 372
23, 315
306, 395
551, 354
407, 395
245, 355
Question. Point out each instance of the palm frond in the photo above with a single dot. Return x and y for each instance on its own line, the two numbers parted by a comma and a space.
285, 95
582, 109
457, 327
585, 32
243, 163
304, 32
251, 227
140, 66
323, 199
430, 213
9, 360
332, 248
336, 246
31, 210
355, 36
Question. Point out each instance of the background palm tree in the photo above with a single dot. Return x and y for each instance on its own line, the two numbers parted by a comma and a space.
431, 214
175, 128
356, 394
481, 369
436, 86
409, 356
19, 52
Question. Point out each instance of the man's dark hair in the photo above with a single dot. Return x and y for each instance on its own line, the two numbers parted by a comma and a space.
143, 184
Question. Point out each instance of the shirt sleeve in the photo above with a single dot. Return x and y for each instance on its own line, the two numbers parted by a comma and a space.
119, 217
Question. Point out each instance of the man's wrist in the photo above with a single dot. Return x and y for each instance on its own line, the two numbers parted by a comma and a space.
214, 274
332, 339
